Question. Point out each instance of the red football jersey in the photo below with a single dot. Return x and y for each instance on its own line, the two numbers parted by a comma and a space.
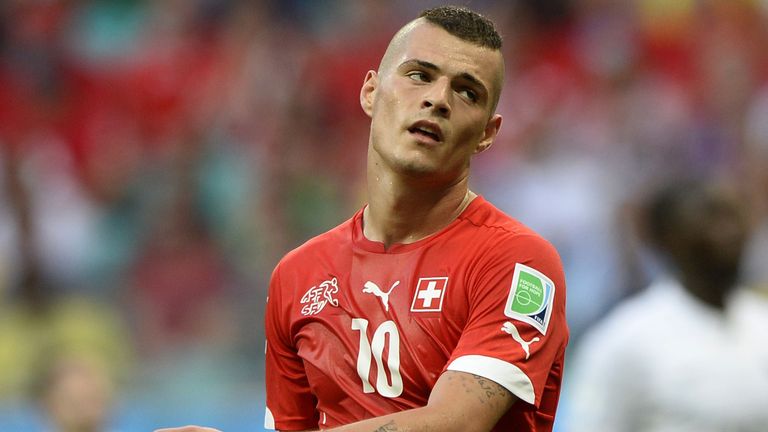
355, 331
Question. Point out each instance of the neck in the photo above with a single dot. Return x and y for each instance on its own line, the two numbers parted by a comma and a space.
403, 210
711, 289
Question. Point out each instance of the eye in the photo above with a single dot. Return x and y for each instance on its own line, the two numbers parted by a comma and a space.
468, 94
418, 76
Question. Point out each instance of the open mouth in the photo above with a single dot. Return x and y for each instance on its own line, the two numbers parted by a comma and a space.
419, 131
426, 130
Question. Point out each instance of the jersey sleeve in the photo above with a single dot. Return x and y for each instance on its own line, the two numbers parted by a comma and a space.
290, 402
516, 329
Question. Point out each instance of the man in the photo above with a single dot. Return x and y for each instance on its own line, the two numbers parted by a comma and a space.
688, 353
429, 309
77, 393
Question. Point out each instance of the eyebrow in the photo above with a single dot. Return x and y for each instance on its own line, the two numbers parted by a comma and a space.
431, 66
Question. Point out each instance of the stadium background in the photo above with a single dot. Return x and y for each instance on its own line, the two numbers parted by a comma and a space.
158, 157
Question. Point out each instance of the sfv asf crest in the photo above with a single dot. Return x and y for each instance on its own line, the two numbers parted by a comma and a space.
315, 299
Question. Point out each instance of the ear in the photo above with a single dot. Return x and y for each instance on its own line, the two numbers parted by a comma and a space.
368, 92
491, 130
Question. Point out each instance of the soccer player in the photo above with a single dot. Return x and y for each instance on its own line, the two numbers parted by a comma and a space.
429, 309
689, 353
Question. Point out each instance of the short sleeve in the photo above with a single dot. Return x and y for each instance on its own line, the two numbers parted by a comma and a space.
516, 330
290, 402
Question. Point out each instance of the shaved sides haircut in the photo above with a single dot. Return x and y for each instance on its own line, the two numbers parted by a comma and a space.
464, 24
460, 22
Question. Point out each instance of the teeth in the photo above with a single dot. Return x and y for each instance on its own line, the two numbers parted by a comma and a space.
428, 132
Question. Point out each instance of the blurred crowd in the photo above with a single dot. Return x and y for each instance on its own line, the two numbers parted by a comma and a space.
157, 157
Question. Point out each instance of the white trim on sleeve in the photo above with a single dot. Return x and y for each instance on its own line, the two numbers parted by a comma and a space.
503, 373
269, 420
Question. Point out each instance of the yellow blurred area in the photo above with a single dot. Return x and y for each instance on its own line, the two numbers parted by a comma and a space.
31, 341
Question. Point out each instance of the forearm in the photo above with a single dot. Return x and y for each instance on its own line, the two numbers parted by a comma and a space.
415, 420
459, 402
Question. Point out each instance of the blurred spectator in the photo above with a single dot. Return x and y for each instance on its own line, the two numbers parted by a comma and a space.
689, 353
40, 323
76, 394
755, 270
38, 313
181, 287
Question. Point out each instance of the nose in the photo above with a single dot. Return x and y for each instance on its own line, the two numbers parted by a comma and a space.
438, 98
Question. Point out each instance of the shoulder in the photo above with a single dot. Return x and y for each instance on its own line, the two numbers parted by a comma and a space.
324, 245
503, 238
622, 346
500, 251
309, 265
749, 308
634, 319
485, 216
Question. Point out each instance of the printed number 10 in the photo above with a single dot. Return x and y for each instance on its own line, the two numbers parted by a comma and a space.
376, 347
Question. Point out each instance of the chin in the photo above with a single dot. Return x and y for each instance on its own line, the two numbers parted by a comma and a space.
727, 278
416, 169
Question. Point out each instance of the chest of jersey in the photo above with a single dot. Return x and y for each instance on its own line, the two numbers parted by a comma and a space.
376, 330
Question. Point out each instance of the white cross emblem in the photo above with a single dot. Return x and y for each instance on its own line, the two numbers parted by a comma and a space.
429, 294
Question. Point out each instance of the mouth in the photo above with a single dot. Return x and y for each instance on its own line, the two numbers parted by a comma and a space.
426, 130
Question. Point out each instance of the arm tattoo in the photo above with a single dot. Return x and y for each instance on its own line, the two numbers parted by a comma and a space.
389, 427
490, 388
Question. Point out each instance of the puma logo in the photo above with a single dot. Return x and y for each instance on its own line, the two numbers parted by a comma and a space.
510, 328
372, 288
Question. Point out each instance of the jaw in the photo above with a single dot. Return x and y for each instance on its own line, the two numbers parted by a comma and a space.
401, 153
413, 169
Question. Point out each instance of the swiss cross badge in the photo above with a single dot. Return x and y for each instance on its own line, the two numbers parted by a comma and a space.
429, 294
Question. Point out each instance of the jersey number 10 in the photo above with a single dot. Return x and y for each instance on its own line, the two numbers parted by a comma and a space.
376, 347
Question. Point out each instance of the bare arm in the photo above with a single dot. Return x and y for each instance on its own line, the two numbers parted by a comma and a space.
458, 402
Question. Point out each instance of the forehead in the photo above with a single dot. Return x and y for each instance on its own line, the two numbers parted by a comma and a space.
422, 40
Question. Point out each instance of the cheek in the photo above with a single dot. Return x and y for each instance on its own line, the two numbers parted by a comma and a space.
384, 107
387, 115
471, 133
